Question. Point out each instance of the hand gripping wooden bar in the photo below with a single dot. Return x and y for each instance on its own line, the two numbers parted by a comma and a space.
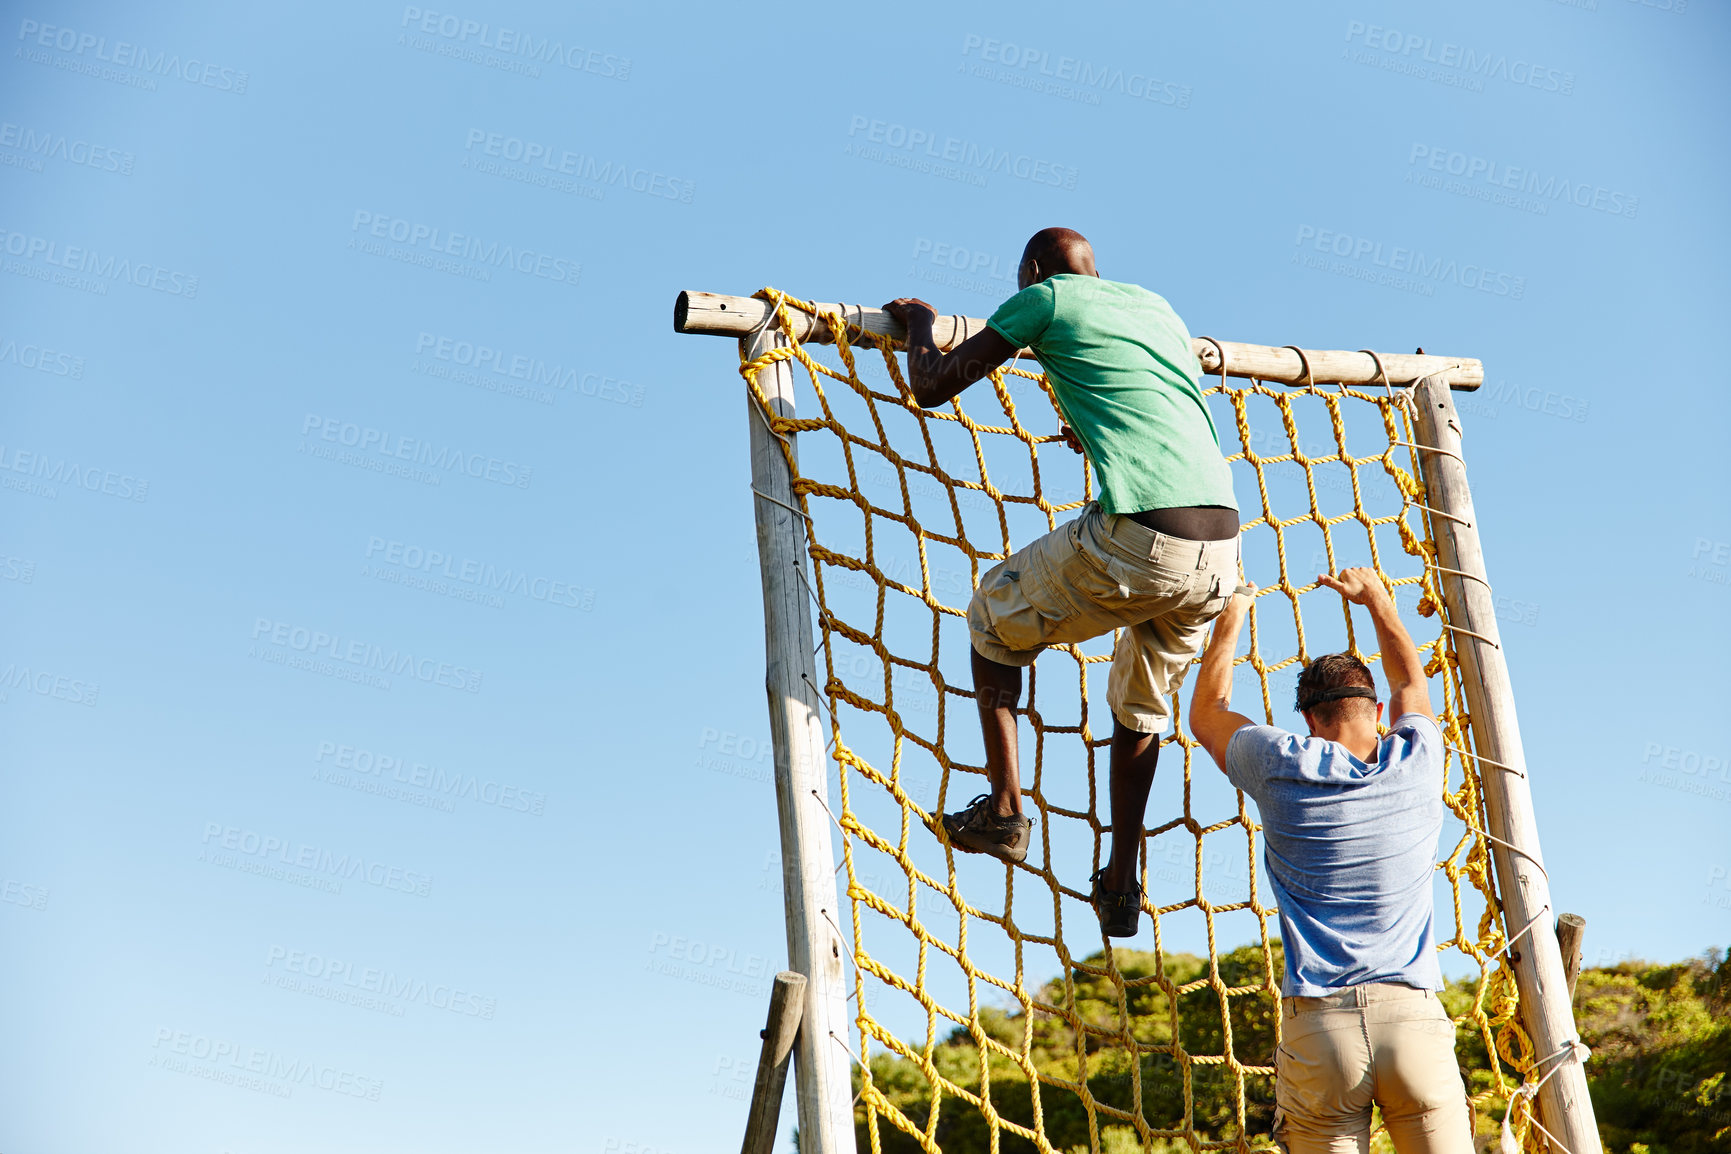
713, 314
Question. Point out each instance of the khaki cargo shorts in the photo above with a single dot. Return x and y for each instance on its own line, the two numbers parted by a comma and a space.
1099, 573
1380, 1042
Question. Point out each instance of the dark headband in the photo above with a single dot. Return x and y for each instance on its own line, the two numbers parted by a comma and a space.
1318, 698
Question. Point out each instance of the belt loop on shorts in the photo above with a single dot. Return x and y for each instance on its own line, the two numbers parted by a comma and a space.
1157, 546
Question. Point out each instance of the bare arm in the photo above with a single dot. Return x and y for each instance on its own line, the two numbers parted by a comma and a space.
1408, 691
1211, 716
934, 377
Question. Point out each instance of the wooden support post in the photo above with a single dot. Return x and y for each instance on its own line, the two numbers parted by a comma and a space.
1564, 1107
814, 941
716, 314
1571, 928
786, 1001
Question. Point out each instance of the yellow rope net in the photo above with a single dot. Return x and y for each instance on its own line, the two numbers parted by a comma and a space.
906, 509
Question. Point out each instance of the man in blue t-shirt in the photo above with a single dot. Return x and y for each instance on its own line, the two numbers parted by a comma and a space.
1350, 824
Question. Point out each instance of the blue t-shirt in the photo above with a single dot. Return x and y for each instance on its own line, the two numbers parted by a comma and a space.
1351, 847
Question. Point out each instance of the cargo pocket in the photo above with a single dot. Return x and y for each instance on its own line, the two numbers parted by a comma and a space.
1016, 620
1093, 587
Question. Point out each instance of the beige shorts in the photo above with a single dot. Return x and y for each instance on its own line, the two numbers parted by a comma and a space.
1383, 1043
1099, 573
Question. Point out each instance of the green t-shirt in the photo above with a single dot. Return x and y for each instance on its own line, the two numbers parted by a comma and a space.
1120, 363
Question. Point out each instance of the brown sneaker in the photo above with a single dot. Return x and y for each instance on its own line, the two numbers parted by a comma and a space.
977, 829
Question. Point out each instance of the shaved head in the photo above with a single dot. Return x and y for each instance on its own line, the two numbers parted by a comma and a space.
1052, 251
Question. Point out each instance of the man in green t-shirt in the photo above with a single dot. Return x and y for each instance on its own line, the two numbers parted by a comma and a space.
1156, 555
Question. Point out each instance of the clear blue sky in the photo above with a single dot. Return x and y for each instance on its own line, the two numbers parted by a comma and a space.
245, 260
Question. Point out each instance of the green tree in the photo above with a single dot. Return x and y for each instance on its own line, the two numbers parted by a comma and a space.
1661, 1041
1660, 1035
1089, 1026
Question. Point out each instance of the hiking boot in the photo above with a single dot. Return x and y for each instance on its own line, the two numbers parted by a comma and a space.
1118, 910
977, 829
